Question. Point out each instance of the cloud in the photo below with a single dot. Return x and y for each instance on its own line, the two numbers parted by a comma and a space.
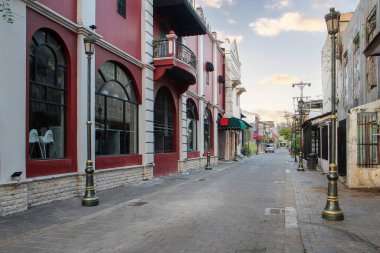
281, 79
277, 4
216, 3
231, 21
290, 21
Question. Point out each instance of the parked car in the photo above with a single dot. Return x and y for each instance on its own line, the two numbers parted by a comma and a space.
269, 148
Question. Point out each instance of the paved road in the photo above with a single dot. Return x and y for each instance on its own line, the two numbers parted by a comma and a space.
237, 207
242, 207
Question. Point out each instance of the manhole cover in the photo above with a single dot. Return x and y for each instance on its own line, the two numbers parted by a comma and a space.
202, 179
138, 203
274, 211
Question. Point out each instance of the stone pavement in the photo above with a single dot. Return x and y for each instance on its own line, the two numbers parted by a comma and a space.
245, 207
359, 232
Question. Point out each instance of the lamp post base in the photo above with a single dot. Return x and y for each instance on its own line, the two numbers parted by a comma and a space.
90, 201
300, 163
332, 215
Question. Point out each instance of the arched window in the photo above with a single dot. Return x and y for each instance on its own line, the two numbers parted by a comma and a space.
192, 116
163, 122
207, 122
47, 97
115, 111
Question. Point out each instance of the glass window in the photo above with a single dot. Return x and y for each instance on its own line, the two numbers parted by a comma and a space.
368, 149
122, 7
47, 97
356, 70
207, 129
115, 112
191, 125
163, 122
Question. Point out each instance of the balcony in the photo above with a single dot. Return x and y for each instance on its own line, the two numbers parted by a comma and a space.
182, 15
174, 61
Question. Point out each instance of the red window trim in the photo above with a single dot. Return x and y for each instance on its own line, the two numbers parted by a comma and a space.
68, 39
108, 162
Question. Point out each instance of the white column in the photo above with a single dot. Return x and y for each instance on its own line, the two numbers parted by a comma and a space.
86, 16
183, 127
13, 93
146, 109
215, 97
200, 133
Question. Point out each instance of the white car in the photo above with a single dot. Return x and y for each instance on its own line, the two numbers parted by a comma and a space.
269, 148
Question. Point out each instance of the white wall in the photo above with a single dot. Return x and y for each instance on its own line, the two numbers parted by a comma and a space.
13, 93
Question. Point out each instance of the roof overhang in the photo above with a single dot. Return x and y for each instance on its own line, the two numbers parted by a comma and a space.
373, 48
184, 18
232, 124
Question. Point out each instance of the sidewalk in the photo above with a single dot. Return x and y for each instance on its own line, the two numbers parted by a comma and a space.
359, 232
64, 211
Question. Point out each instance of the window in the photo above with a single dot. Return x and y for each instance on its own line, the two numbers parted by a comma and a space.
47, 97
345, 79
191, 112
325, 143
371, 61
207, 129
115, 112
164, 121
356, 69
122, 7
368, 151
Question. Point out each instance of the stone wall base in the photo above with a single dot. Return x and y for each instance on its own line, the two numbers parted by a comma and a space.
195, 163
17, 197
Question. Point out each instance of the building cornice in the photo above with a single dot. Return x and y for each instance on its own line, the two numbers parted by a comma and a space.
80, 29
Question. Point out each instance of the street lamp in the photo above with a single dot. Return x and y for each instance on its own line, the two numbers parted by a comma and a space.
301, 103
89, 198
332, 211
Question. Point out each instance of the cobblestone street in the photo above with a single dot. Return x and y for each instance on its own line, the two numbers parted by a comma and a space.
249, 206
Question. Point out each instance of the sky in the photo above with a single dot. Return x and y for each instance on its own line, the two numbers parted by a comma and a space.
279, 43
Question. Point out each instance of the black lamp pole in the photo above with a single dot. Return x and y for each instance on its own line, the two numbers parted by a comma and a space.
332, 211
89, 198
301, 85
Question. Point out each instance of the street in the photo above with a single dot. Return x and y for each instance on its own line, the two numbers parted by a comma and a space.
246, 206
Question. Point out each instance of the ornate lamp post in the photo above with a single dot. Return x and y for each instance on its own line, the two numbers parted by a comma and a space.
301, 85
332, 211
89, 198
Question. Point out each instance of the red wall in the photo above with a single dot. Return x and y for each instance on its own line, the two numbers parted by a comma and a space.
221, 87
124, 33
67, 8
207, 57
192, 43
69, 41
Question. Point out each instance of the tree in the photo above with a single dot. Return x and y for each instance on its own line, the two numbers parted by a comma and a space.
286, 133
5, 10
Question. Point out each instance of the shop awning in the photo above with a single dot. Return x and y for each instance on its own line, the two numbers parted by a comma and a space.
231, 124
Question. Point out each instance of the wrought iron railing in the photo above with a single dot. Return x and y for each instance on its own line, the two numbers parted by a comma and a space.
182, 52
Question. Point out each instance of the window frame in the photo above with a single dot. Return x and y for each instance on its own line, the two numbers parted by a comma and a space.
121, 7
68, 164
129, 96
191, 110
367, 143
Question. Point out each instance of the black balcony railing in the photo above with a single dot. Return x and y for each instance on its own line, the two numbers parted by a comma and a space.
182, 52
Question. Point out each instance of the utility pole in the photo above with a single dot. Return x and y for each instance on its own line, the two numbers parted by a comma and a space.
301, 85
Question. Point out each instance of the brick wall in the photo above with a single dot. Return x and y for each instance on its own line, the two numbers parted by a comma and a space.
19, 197
195, 163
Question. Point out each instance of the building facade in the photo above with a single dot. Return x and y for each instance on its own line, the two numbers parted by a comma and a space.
157, 90
358, 95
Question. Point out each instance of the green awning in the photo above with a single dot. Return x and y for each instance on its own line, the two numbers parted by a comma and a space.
231, 124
